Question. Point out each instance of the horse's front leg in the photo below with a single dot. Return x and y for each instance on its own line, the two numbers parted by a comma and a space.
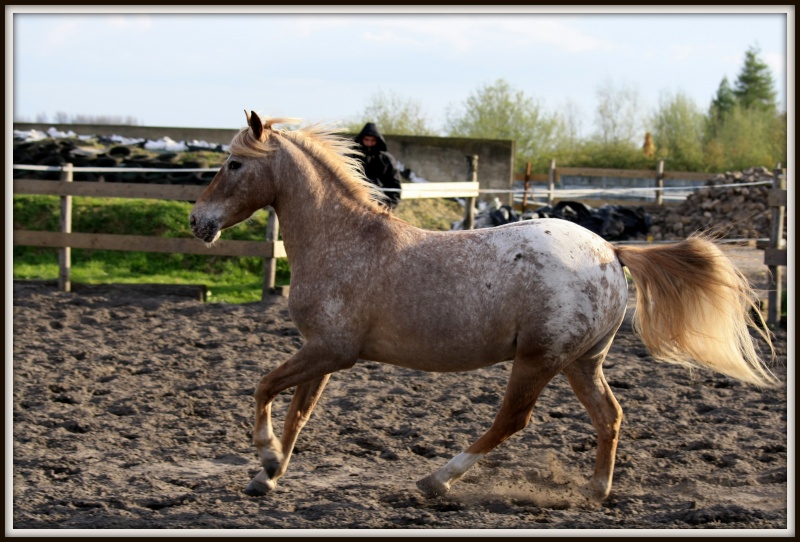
308, 370
303, 402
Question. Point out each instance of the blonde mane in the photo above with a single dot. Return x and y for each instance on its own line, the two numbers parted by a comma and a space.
322, 142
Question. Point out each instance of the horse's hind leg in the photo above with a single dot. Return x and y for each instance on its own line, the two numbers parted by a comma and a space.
585, 375
528, 379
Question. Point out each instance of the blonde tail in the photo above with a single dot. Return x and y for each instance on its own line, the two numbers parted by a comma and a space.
694, 308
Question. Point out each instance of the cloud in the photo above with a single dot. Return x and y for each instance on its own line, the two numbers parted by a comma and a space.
311, 26
135, 22
71, 30
389, 37
566, 37
682, 52
62, 33
525, 31
454, 33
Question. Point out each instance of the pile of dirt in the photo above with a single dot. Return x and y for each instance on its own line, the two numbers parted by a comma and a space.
736, 212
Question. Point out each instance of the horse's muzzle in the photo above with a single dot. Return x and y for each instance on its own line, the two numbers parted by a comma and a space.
207, 230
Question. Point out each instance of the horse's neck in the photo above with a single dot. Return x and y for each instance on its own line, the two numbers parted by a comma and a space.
316, 213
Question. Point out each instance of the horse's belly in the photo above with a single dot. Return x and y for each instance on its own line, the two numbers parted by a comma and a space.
440, 354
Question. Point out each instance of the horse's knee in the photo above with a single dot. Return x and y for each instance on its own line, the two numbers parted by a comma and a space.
262, 394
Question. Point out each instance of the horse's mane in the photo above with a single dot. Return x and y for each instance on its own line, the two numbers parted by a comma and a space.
325, 144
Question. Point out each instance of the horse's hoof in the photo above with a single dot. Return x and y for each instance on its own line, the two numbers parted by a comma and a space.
431, 487
596, 491
257, 488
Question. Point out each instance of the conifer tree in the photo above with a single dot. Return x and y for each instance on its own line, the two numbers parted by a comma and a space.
725, 99
755, 87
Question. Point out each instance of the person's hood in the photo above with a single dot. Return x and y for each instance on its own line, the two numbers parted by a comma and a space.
370, 129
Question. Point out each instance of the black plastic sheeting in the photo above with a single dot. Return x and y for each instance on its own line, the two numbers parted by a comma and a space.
56, 153
611, 222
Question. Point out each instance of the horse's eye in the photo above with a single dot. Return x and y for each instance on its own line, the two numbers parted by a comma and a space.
233, 164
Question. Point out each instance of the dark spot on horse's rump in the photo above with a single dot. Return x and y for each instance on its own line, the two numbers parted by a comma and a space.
517, 257
488, 285
547, 232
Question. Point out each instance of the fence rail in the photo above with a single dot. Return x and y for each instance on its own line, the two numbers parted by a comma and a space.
143, 243
554, 174
175, 192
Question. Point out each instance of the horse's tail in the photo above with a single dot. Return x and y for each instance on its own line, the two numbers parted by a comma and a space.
694, 308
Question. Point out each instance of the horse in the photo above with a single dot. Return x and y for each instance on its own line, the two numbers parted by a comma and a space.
547, 295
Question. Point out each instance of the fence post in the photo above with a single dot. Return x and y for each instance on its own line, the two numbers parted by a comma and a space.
270, 264
527, 186
64, 253
775, 295
660, 183
551, 182
472, 176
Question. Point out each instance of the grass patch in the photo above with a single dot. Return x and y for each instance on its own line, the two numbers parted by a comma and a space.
229, 279
430, 214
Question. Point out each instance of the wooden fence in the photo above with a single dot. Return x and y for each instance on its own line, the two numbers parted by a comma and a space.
775, 254
270, 248
553, 177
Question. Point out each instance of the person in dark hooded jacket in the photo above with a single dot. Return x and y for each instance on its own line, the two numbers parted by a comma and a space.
380, 167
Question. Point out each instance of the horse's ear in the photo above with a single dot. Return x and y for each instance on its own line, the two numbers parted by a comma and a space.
255, 124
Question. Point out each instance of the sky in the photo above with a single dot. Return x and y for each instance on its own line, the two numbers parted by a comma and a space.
192, 69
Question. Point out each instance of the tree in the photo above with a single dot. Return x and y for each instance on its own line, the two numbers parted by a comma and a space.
721, 106
393, 115
744, 128
617, 115
497, 111
678, 132
725, 99
746, 138
569, 117
755, 87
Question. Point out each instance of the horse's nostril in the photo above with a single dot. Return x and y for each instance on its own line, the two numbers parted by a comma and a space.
192, 221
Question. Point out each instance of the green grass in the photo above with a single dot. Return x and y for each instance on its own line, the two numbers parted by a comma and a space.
229, 279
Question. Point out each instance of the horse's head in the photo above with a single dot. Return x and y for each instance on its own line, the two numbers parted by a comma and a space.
239, 188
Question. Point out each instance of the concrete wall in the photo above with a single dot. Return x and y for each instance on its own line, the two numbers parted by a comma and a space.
444, 159
437, 159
